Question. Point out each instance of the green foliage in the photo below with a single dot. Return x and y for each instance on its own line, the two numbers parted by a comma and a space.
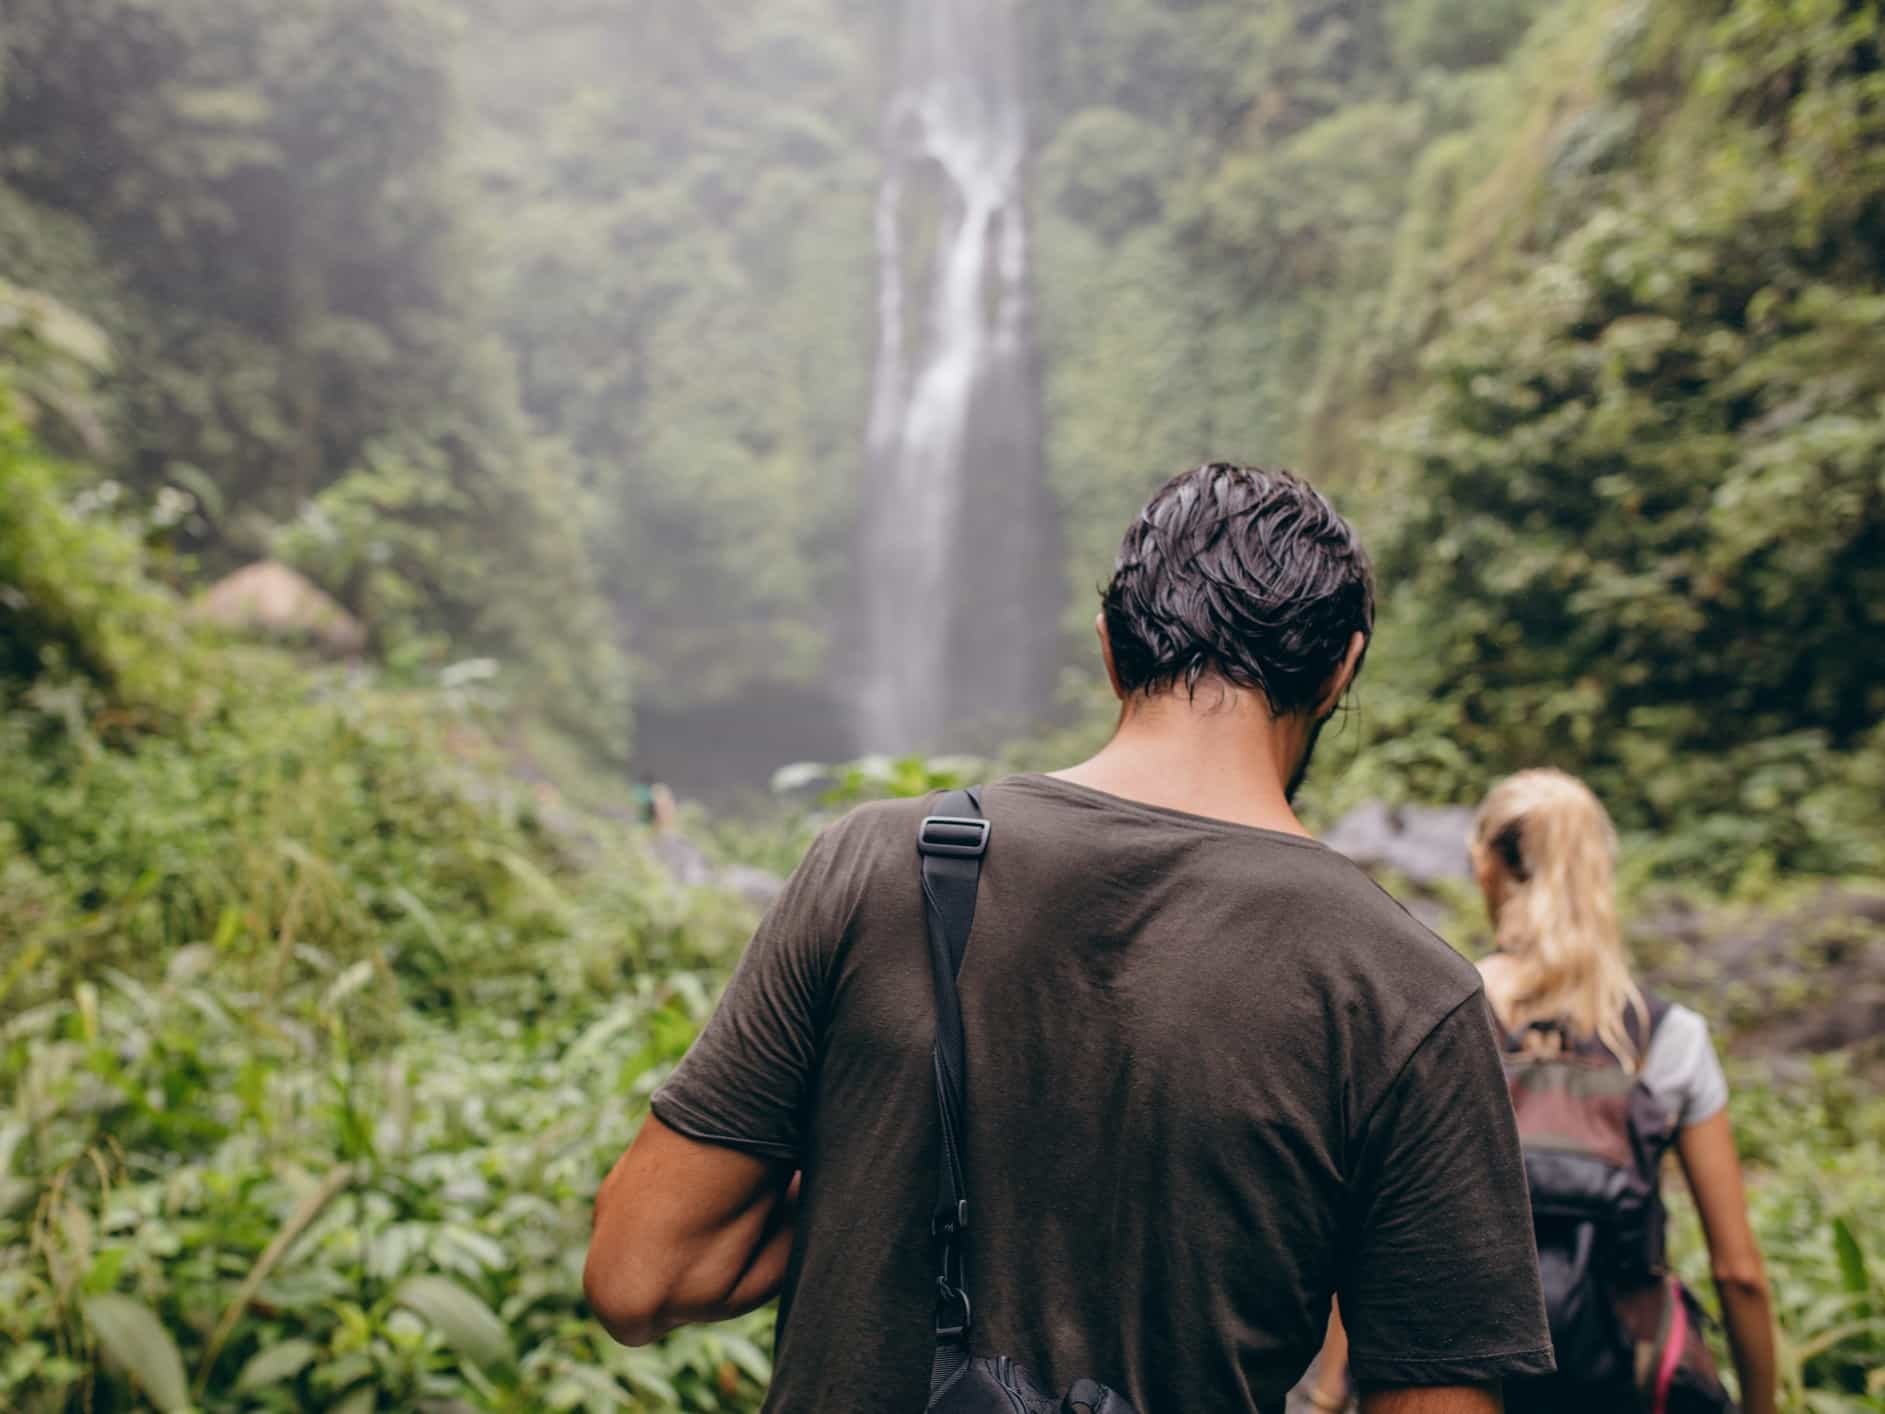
1648, 530
315, 1040
369, 1204
74, 596
1458, 34
880, 778
264, 216
1105, 170
52, 357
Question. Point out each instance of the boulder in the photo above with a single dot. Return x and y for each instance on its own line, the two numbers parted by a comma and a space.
270, 598
688, 865
1423, 844
1803, 978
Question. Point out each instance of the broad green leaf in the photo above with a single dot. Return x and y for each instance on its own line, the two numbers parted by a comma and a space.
229, 924
106, 1267
275, 1363
469, 1326
135, 1340
1852, 1272
469, 1251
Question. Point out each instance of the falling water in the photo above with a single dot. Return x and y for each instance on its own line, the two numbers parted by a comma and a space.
959, 558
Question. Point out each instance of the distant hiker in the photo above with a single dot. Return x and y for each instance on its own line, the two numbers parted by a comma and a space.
654, 805
1606, 1078
1199, 1074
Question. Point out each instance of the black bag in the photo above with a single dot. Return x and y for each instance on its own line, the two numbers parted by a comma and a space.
951, 845
1626, 1334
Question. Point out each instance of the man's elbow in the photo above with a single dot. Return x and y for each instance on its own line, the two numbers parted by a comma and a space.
632, 1310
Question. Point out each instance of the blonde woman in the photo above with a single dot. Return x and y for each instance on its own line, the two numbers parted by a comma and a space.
1560, 987
1543, 851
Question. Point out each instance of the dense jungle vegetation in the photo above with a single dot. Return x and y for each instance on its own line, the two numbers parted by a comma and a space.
539, 334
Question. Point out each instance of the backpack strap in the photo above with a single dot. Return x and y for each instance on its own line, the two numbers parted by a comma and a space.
1658, 1008
950, 844
1513, 1040
1641, 1028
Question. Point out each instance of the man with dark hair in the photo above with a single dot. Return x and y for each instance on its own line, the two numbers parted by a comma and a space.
1216, 1076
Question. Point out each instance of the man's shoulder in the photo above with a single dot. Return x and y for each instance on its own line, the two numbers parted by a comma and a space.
876, 826
1384, 971
853, 852
880, 827
1372, 918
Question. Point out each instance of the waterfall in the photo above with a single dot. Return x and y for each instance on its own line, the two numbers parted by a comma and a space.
959, 558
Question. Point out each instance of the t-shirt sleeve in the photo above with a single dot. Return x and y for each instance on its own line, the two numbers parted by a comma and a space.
1682, 1069
1439, 1277
745, 1082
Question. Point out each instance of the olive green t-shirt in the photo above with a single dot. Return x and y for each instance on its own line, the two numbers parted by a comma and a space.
1215, 1075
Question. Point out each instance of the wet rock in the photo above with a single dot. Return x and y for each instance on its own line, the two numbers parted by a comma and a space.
756, 886
1803, 979
687, 864
1424, 844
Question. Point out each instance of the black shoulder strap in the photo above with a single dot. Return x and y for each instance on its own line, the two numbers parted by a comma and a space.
951, 844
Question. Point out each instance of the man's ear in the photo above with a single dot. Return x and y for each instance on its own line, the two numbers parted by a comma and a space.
1344, 675
1106, 655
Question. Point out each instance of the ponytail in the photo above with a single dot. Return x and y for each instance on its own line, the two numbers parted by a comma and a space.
1557, 919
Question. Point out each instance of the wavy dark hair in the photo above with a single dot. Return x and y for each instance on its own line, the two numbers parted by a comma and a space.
1241, 572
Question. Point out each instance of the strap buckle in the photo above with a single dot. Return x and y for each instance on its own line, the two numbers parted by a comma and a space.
948, 1298
959, 835
949, 1224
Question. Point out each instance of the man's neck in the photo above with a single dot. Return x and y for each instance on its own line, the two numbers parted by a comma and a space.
1219, 754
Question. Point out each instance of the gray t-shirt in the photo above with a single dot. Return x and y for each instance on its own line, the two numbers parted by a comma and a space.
1682, 1070
1214, 1077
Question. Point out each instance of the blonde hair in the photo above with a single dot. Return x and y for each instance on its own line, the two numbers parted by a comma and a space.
1556, 921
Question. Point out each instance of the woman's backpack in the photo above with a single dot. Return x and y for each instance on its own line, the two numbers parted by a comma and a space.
1626, 1333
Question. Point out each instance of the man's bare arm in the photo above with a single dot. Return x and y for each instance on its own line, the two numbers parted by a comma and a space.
685, 1232
1452, 1400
